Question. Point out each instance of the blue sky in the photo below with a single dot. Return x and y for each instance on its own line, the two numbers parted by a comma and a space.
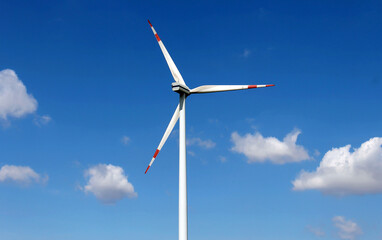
98, 98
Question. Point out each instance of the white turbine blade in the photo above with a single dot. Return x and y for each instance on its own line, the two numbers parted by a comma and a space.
174, 70
223, 88
170, 126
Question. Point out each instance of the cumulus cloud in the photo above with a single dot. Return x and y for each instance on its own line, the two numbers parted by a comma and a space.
260, 149
342, 172
207, 144
14, 99
108, 183
20, 174
346, 228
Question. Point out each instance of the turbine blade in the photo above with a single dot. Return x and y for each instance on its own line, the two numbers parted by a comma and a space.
224, 88
170, 126
174, 70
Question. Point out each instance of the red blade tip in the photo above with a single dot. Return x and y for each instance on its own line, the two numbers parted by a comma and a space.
156, 153
150, 23
270, 85
147, 169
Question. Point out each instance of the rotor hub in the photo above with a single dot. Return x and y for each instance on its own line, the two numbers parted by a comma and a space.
180, 88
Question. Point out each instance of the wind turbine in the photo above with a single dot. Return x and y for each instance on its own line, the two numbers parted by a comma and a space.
184, 91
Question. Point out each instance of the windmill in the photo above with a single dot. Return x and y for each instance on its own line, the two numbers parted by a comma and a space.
184, 91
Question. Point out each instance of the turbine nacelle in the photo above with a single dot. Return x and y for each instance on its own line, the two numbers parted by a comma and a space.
180, 88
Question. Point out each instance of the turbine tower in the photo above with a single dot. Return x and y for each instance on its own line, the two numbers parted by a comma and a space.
184, 91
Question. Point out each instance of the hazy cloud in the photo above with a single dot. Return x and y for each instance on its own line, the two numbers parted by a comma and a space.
316, 231
207, 144
222, 159
42, 120
125, 140
192, 153
14, 99
342, 172
108, 183
316, 153
346, 228
246, 53
20, 174
260, 149
262, 13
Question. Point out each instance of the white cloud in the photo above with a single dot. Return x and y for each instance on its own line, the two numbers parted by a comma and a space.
316, 231
42, 120
207, 144
108, 183
342, 172
346, 228
20, 174
259, 149
125, 140
14, 99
